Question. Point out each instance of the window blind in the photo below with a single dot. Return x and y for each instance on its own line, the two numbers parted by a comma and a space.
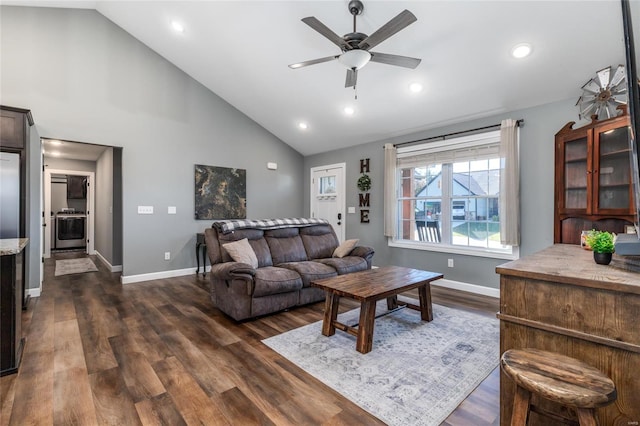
469, 148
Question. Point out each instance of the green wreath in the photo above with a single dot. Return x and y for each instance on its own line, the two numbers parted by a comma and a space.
364, 183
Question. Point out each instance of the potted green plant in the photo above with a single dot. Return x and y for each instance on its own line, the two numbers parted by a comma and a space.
601, 243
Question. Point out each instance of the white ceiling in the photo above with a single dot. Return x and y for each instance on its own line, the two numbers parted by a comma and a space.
240, 50
71, 150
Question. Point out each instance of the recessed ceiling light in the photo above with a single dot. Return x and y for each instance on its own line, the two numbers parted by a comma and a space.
177, 26
415, 87
303, 125
349, 110
521, 50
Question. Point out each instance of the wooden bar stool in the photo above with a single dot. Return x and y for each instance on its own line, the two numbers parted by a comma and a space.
557, 378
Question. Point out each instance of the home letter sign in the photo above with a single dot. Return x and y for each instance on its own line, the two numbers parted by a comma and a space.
364, 185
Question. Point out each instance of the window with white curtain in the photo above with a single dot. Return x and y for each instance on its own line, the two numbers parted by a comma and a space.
448, 195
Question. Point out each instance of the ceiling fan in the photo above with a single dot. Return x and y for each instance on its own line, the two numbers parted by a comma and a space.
355, 46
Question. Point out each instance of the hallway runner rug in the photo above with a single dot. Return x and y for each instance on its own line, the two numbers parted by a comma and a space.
74, 266
417, 373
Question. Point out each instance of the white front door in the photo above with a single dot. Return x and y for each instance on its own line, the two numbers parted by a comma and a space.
327, 196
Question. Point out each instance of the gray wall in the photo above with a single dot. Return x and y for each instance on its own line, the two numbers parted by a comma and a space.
103, 213
536, 185
102, 86
33, 227
66, 164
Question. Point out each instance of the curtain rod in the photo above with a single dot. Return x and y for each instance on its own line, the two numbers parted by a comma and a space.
519, 123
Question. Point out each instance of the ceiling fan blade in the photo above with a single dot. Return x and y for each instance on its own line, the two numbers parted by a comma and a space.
404, 19
325, 31
313, 62
400, 61
352, 78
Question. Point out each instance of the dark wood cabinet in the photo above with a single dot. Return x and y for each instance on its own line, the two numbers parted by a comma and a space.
593, 182
13, 124
11, 296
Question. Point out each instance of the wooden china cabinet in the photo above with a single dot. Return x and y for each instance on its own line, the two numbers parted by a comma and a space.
593, 182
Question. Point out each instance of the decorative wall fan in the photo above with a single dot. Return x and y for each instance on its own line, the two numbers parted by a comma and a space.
603, 94
355, 46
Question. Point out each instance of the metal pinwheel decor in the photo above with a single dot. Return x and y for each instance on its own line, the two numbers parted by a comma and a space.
602, 95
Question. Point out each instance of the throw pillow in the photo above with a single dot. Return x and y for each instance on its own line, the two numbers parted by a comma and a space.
345, 248
241, 251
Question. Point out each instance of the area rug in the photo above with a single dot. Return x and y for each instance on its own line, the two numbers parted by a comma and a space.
74, 266
417, 373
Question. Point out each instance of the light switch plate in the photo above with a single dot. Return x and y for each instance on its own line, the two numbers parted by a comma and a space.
145, 209
171, 210
351, 209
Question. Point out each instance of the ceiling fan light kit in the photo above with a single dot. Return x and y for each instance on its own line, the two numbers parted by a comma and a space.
355, 59
355, 46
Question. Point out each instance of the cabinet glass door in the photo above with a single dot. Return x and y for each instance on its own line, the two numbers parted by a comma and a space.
613, 169
575, 174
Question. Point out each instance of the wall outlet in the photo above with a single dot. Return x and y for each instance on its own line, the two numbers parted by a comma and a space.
167, 255
351, 209
171, 210
450, 263
145, 209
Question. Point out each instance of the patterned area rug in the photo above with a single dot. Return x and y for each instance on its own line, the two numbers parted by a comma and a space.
417, 373
74, 266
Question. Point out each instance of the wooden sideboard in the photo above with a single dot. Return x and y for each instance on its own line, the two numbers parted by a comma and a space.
560, 300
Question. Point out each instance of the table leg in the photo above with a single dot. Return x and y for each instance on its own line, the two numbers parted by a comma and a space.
426, 309
331, 303
204, 260
392, 302
364, 343
198, 258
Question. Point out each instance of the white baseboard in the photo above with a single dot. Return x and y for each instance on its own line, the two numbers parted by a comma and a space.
470, 288
33, 292
130, 279
112, 268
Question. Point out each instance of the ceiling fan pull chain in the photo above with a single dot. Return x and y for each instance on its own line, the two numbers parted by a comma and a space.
355, 91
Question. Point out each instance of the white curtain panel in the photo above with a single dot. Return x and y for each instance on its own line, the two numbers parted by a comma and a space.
389, 188
509, 208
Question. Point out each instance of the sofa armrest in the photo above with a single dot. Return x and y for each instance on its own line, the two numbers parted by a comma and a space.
364, 252
232, 270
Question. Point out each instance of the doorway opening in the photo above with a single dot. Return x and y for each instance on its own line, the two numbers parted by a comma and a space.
81, 202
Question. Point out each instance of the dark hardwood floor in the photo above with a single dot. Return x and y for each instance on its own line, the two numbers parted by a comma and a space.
158, 352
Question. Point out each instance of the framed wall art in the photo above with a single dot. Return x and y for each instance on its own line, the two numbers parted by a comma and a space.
220, 193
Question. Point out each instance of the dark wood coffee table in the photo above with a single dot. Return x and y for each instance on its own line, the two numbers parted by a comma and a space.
368, 287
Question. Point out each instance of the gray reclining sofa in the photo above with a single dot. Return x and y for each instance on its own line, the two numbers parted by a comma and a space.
290, 254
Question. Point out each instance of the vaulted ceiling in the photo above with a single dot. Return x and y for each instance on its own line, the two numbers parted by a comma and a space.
241, 50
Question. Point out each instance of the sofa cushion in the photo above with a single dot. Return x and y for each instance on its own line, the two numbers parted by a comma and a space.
345, 265
241, 251
310, 270
319, 241
261, 248
256, 240
273, 280
345, 248
285, 245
